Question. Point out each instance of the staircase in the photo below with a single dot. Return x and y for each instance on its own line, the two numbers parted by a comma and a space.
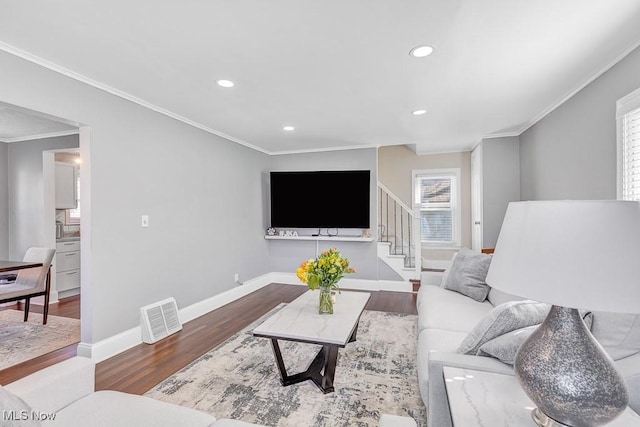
398, 243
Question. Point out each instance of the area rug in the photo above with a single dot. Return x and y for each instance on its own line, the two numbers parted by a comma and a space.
239, 379
20, 341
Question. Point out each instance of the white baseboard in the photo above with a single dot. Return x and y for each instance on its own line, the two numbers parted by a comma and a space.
203, 307
125, 340
111, 346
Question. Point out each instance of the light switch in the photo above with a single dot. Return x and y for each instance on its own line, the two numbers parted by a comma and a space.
145, 221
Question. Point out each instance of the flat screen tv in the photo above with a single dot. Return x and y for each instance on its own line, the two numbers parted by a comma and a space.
320, 199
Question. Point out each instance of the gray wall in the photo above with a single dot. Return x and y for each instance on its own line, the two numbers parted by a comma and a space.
500, 184
25, 194
571, 153
4, 202
203, 194
286, 255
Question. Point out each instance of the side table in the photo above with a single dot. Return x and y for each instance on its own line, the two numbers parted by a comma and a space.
484, 399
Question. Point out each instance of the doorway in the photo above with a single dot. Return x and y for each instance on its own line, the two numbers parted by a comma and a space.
30, 142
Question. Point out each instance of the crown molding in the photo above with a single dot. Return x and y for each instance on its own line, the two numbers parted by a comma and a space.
321, 150
116, 92
41, 136
501, 135
435, 152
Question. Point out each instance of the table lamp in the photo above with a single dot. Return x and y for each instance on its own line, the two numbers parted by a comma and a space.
572, 255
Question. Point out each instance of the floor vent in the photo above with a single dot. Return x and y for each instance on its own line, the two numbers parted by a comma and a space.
159, 320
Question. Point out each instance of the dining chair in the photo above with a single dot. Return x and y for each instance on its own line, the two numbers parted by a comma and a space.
32, 282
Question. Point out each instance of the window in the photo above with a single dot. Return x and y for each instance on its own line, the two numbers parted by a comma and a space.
437, 198
628, 135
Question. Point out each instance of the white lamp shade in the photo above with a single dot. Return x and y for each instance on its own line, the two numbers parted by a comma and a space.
578, 254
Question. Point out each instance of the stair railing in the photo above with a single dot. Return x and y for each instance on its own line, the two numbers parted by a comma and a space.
397, 225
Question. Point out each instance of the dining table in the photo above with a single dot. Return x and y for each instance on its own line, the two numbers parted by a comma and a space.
6, 266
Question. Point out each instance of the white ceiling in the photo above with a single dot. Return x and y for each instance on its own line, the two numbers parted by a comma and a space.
337, 70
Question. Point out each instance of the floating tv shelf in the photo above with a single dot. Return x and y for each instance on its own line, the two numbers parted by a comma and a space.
317, 238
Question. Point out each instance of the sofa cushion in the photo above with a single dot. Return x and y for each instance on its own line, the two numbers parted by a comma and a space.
443, 309
497, 297
15, 411
504, 318
468, 274
619, 334
113, 408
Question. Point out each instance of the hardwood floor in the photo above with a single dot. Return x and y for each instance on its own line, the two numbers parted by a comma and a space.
139, 369
67, 307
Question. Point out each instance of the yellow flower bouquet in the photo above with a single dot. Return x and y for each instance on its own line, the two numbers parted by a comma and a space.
324, 273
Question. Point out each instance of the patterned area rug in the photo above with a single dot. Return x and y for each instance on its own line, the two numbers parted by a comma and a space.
239, 379
20, 341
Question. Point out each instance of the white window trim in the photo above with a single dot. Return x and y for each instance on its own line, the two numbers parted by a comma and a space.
624, 105
457, 241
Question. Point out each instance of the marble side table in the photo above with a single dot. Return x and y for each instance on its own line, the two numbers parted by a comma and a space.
486, 399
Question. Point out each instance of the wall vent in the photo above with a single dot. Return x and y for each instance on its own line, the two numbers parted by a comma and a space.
159, 320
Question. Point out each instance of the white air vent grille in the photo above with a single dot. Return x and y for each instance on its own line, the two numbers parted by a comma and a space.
159, 320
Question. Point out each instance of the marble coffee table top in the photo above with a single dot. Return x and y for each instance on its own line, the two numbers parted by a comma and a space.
299, 320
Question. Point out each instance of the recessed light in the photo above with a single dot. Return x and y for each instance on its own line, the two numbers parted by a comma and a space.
419, 112
421, 51
225, 83
288, 128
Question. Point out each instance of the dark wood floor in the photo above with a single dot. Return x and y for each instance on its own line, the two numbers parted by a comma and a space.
68, 307
139, 369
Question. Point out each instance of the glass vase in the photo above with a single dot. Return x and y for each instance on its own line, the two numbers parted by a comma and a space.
326, 301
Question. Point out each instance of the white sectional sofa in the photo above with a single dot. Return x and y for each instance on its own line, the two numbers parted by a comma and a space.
67, 390
445, 317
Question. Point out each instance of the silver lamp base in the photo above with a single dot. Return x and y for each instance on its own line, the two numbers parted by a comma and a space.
568, 375
542, 420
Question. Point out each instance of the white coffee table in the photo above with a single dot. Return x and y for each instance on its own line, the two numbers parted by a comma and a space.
299, 321
478, 398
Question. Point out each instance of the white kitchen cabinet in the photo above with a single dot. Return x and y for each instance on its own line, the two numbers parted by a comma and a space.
67, 265
66, 191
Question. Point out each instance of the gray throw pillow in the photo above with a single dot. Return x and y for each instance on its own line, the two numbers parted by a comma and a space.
15, 411
502, 319
468, 274
505, 347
